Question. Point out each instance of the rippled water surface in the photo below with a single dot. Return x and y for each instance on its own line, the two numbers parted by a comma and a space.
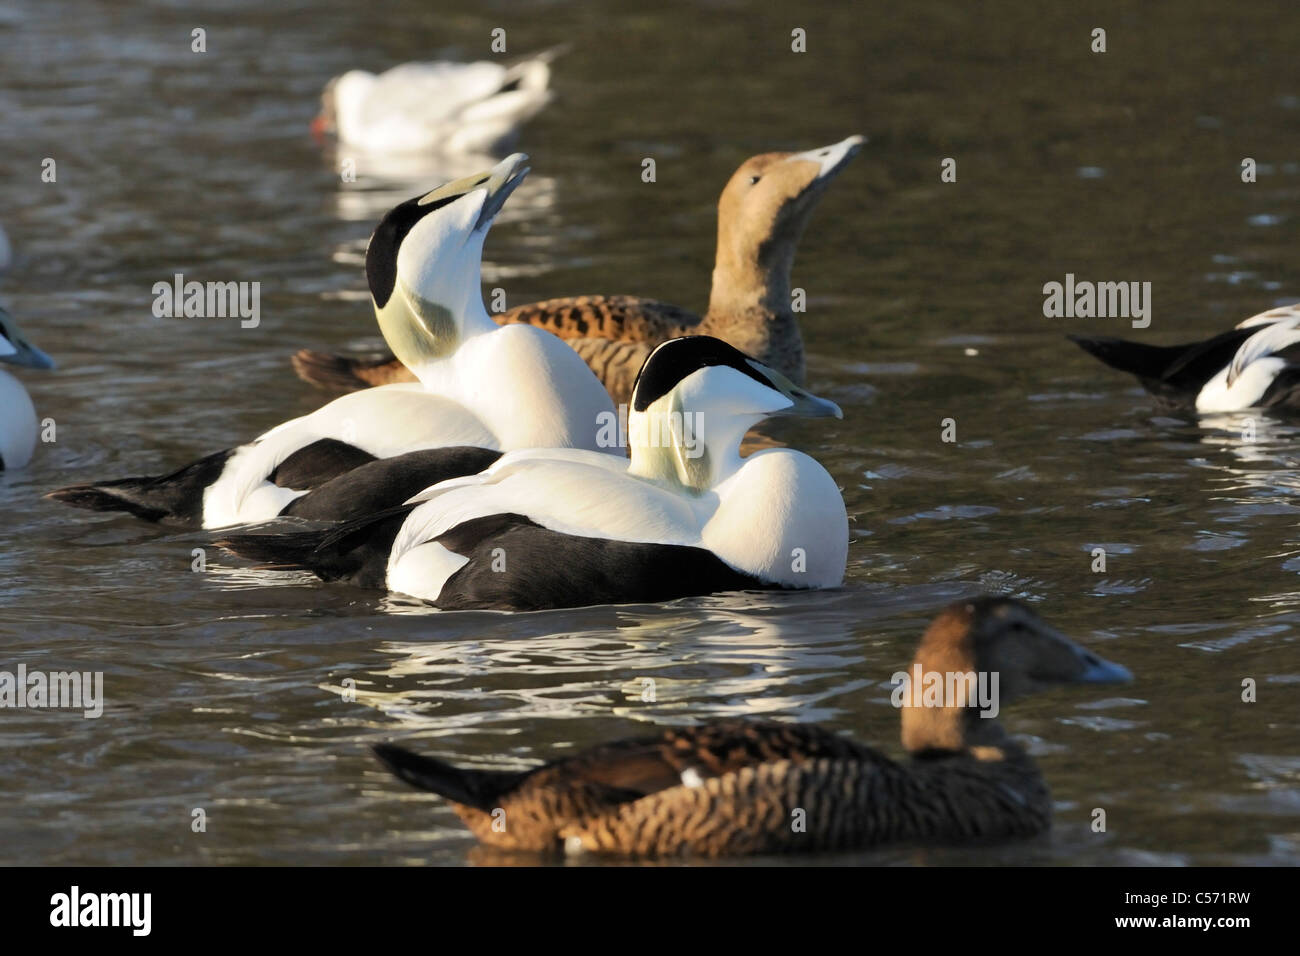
229, 690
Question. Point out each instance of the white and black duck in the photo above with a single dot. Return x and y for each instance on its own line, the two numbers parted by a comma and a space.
482, 388
1255, 365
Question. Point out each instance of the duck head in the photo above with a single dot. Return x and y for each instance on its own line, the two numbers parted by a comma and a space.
692, 403
989, 637
761, 215
15, 349
343, 96
424, 260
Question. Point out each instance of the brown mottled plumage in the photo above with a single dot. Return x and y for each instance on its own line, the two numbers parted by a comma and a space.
734, 787
761, 215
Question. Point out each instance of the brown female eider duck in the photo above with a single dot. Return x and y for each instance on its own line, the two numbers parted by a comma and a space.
733, 787
761, 215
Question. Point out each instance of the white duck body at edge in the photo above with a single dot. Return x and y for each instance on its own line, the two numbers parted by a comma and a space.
755, 514
18, 426
18, 423
483, 385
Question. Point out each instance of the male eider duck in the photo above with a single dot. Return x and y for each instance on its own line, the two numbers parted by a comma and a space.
733, 787
18, 424
482, 388
436, 107
761, 215
547, 528
1255, 365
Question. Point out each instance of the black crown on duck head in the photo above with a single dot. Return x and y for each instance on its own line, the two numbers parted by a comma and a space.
678, 358
381, 252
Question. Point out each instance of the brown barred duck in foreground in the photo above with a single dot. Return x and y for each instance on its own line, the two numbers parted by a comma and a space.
761, 215
735, 787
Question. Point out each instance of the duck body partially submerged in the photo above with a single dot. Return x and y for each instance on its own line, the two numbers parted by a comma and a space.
544, 528
738, 787
1255, 365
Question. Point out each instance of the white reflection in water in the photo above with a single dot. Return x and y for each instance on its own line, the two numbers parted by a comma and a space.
663, 669
384, 180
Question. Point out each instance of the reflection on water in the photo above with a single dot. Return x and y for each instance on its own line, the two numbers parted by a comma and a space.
257, 696
377, 183
711, 663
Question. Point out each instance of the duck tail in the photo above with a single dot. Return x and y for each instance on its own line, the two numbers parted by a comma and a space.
354, 551
283, 549
330, 370
176, 497
1136, 358
551, 53
480, 789
533, 71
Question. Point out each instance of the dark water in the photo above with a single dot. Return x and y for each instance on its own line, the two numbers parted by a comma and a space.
226, 689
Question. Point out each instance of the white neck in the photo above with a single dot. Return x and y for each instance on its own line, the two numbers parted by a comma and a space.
686, 450
431, 365
437, 303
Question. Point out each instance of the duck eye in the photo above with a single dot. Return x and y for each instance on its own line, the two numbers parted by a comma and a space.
754, 179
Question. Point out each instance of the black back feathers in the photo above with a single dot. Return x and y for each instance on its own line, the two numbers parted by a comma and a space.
552, 569
677, 358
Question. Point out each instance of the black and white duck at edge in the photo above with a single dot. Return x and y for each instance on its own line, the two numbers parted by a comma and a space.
1255, 365
18, 423
481, 387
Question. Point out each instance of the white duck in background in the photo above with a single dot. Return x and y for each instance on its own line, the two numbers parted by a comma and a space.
482, 388
1255, 365
18, 424
436, 107
546, 528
